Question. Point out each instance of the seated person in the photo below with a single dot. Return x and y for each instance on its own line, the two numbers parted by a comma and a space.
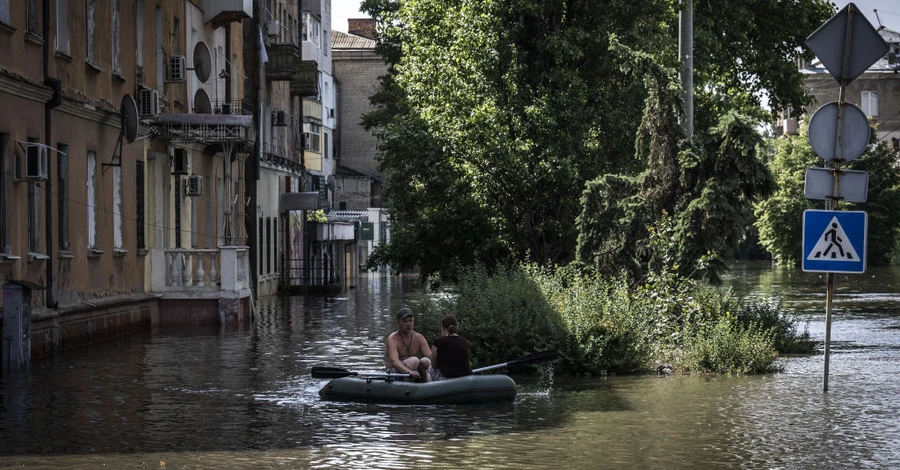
402, 347
450, 352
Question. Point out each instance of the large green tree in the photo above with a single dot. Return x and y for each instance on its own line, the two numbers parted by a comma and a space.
498, 113
780, 217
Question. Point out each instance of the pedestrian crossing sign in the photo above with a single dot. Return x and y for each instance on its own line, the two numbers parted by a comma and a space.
834, 241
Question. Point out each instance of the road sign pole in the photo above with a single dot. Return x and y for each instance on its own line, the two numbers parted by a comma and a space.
847, 34
829, 297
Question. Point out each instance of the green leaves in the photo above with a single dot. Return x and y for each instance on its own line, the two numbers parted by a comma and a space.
780, 217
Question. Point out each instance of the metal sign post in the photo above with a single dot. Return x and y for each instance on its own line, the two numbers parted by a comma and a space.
847, 45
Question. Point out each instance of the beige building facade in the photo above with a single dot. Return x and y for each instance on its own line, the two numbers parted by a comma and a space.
112, 231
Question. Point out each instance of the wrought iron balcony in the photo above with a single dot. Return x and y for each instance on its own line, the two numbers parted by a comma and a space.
284, 60
306, 79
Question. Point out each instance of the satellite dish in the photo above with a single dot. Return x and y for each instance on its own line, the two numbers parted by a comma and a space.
202, 61
202, 105
330, 183
129, 115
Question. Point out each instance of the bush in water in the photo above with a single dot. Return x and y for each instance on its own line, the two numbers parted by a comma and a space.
602, 325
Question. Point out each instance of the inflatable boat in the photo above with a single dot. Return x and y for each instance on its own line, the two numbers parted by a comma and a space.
471, 389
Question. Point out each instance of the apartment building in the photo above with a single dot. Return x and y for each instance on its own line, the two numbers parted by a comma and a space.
120, 167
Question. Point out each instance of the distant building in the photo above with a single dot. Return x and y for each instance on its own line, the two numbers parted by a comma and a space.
876, 92
358, 70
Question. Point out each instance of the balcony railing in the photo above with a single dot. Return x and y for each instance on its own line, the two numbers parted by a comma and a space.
284, 60
306, 80
200, 273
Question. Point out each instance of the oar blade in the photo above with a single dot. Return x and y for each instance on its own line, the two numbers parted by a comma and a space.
330, 372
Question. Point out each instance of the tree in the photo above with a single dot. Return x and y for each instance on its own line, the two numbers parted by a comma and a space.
707, 189
510, 108
780, 217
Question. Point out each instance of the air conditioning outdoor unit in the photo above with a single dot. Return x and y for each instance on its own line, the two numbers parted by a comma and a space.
194, 186
279, 118
149, 102
272, 29
177, 66
181, 160
35, 168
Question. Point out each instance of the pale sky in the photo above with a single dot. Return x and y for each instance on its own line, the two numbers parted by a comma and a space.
888, 11
342, 10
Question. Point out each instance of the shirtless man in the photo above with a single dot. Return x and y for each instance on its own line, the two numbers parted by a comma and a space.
402, 348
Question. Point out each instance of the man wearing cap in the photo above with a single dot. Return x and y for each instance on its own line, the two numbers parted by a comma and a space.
403, 347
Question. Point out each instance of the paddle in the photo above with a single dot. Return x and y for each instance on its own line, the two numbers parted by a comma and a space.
335, 373
534, 357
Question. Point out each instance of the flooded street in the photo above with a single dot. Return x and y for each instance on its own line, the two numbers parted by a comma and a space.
245, 399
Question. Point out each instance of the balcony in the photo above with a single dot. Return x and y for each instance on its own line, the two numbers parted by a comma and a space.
306, 80
284, 62
222, 12
197, 274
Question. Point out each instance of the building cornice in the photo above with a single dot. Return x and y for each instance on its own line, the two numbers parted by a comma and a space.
21, 87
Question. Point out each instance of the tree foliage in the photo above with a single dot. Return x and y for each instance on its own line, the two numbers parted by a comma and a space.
780, 217
498, 114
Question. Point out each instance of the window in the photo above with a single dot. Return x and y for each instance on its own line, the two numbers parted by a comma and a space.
139, 34
4, 193
139, 196
325, 147
311, 136
117, 207
869, 103
311, 28
62, 26
116, 39
62, 191
90, 9
92, 199
31, 18
160, 52
4, 11
34, 211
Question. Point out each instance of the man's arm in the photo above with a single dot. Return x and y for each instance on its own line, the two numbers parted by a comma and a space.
424, 350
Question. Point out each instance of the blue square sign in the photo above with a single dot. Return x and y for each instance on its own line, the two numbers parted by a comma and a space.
834, 241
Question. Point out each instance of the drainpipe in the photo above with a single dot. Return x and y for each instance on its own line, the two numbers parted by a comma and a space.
55, 101
251, 166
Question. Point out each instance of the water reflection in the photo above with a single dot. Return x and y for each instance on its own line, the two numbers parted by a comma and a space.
244, 399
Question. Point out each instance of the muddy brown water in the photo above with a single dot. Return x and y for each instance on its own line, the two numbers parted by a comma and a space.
244, 398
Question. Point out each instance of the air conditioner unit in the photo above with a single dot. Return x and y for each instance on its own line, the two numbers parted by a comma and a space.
35, 168
194, 186
177, 66
279, 118
181, 162
149, 102
272, 29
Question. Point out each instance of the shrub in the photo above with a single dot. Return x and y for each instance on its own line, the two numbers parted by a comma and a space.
728, 347
602, 325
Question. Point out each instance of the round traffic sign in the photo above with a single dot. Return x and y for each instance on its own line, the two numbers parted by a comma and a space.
823, 132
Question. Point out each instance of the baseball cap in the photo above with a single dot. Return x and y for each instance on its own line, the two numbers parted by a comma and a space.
404, 312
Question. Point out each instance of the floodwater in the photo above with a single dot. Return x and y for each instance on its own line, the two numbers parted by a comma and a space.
245, 399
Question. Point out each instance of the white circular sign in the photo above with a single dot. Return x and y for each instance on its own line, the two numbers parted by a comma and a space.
823, 132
